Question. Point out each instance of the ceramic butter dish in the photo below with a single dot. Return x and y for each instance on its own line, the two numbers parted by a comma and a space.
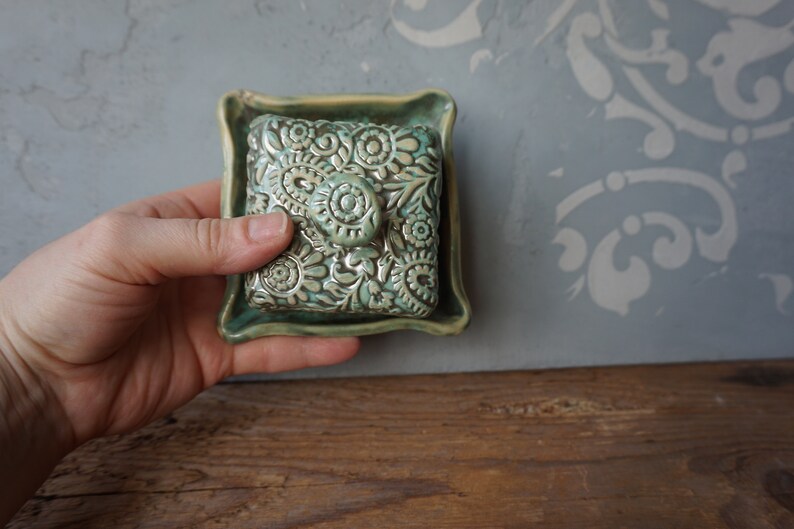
368, 181
364, 199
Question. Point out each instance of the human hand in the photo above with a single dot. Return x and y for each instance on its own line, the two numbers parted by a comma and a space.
113, 325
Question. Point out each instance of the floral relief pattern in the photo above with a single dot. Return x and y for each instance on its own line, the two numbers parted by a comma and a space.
256, 203
298, 134
416, 281
419, 230
292, 277
293, 179
374, 147
364, 199
346, 210
379, 298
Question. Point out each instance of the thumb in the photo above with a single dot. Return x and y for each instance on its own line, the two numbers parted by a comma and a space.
147, 250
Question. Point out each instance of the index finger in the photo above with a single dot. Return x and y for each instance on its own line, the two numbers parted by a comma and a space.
193, 202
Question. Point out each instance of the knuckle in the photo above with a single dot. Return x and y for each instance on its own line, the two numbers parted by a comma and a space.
103, 245
108, 231
209, 235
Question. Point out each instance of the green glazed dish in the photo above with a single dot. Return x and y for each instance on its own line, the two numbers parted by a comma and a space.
377, 247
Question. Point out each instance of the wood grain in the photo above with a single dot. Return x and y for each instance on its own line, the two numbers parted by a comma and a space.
694, 446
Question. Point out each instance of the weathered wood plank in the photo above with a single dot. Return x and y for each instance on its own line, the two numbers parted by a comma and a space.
652, 447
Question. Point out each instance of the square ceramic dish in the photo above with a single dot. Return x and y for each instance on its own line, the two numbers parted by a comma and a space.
264, 136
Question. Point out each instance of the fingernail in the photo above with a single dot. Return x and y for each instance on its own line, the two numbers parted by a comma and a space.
262, 228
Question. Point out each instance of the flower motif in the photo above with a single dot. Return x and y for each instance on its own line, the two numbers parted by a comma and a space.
374, 147
282, 275
419, 230
347, 203
257, 203
298, 134
422, 279
293, 275
416, 280
379, 299
320, 243
346, 209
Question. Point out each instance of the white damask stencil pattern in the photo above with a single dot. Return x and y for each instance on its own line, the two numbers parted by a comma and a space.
753, 119
599, 40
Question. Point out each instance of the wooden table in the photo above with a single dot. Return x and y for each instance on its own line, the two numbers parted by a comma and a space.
692, 446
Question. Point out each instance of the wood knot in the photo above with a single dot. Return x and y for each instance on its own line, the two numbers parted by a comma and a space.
779, 484
763, 376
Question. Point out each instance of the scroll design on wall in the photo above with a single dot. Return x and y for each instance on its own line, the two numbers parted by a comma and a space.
617, 75
728, 53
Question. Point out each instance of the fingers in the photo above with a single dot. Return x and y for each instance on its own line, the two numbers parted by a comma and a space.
144, 250
205, 198
197, 201
286, 353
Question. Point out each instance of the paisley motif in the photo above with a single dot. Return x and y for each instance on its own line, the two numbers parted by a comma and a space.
294, 179
415, 278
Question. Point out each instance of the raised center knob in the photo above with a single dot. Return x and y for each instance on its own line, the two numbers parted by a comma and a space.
348, 202
345, 208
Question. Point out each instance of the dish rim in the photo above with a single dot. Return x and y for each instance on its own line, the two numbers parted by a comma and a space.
231, 107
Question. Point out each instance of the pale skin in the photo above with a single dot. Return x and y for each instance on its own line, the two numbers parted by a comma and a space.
113, 326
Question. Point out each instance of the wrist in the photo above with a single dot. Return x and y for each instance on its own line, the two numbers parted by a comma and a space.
34, 431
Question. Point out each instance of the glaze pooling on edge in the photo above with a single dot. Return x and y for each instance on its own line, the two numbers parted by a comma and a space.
364, 199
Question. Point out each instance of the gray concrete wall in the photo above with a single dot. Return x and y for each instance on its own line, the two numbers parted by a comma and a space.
625, 166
